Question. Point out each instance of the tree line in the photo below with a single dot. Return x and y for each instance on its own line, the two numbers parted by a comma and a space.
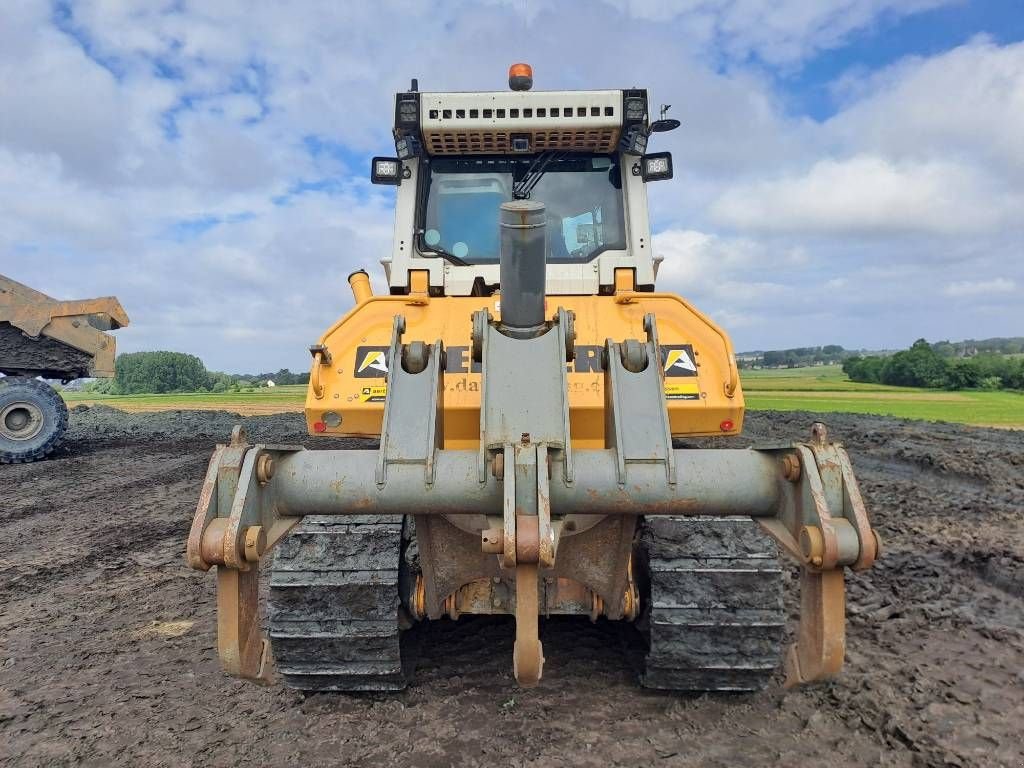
162, 372
794, 358
933, 366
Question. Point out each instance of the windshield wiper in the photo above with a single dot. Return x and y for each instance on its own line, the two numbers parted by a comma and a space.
521, 189
436, 249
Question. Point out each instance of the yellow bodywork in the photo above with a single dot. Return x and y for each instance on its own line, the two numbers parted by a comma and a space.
701, 386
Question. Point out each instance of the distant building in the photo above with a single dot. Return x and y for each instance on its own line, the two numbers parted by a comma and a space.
270, 383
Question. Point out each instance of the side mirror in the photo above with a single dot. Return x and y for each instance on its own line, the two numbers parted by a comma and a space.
656, 166
386, 170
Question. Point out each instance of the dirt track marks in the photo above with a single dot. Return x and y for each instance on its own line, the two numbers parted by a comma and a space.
91, 569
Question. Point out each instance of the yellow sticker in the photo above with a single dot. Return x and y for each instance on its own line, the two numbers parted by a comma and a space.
374, 394
682, 389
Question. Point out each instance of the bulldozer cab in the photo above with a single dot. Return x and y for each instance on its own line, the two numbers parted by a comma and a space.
461, 155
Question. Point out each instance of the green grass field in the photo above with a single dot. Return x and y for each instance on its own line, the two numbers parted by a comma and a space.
824, 388
258, 402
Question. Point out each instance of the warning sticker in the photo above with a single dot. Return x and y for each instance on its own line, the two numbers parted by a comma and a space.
682, 390
371, 362
375, 394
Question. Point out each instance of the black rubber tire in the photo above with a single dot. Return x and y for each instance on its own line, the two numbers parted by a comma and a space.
52, 409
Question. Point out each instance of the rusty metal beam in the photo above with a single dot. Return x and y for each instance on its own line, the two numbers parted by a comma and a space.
722, 482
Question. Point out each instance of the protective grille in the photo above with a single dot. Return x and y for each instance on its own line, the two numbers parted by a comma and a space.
498, 142
483, 123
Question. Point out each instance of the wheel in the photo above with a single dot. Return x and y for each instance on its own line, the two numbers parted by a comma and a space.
713, 612
33, 418
334, 609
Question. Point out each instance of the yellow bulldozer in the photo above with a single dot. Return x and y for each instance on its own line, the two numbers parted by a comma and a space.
526, 383
43, 337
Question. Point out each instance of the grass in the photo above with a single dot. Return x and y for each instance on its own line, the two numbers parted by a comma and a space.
259, 402
826, 388
823, 388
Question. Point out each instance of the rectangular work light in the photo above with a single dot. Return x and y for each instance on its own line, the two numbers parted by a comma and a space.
657, 166
386, 170
407, 112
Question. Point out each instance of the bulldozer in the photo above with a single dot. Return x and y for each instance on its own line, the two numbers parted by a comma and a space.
528, 387
43, 337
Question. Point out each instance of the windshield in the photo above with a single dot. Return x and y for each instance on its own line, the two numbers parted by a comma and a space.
582, 193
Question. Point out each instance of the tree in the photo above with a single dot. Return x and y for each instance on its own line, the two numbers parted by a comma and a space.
160, 372
962, 374
864, 369
918, 366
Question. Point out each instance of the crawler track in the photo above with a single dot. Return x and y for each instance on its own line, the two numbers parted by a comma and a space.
334, 603
715, 617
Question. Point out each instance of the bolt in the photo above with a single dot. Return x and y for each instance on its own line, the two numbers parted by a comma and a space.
255, 543
264, 468
791, 467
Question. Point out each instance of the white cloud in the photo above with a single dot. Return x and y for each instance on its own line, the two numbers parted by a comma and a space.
870, 195
966, 105
980, 287
775, 31
163, 152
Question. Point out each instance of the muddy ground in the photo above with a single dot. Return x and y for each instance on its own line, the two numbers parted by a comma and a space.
107, 639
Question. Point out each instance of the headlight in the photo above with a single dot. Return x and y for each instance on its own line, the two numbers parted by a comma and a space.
407, 147
386, 170
657, 166
635, 107
634, 142
407, 115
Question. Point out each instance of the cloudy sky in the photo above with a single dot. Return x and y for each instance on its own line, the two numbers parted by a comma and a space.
848, 171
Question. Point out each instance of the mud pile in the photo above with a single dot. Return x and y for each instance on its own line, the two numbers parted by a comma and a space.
107, 640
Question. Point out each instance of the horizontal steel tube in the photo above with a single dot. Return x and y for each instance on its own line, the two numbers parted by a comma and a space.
344, 483
709, 482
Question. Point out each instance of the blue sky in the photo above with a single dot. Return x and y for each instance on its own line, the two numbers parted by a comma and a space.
847, 172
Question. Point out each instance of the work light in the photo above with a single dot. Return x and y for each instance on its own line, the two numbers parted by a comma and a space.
386, 170
407, 146
634, 142
657, 166
407, 112
635, 107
